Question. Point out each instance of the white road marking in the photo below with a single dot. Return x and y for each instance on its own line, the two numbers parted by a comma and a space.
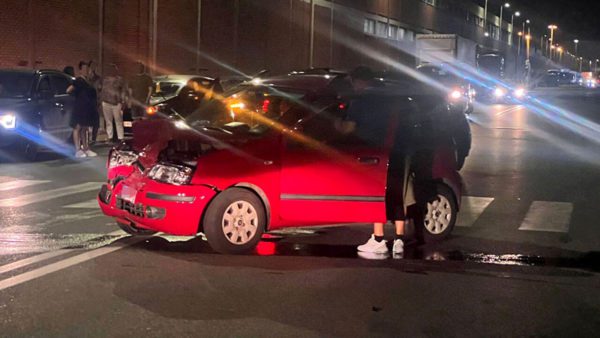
91, 204
548, 216
60, 265
42, 196
47, 255
471, 208
32, 260
17, 184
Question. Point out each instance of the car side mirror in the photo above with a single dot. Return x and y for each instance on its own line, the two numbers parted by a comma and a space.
46, 94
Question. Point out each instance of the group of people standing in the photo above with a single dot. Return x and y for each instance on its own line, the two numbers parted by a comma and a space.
111, 95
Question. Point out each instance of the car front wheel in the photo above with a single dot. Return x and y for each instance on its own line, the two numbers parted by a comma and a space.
234, 221
437, 216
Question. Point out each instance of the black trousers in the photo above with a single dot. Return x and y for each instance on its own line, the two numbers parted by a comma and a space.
394, 192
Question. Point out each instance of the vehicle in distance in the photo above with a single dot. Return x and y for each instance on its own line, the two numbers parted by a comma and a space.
35, 111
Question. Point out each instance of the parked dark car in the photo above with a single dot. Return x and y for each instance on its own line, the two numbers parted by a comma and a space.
35, 110
181, 94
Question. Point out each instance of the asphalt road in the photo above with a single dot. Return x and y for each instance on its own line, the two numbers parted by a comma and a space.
522, 261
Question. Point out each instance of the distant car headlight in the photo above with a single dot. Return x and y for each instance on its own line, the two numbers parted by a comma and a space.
456, 94
520, 93
120, 157
171, 174
8, 121
499, 92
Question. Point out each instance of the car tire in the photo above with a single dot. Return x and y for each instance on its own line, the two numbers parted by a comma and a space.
234, 221
29, 151
436, 216
135, 231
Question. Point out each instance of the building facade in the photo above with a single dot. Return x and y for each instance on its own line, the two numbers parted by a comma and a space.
222, 37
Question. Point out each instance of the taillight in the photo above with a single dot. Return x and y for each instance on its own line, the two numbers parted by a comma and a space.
265, 105
151, 110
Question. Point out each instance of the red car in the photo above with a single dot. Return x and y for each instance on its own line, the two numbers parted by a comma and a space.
286, 153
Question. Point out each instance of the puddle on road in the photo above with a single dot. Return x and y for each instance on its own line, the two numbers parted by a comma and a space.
275, 246
27, 243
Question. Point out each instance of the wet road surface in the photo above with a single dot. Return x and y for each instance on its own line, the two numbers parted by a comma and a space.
523, 259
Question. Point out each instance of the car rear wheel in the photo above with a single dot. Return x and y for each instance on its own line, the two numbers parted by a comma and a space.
234, 221
437, 216
135, 231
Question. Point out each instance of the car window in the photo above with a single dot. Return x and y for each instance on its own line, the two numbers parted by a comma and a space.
15, 84
44, 84
60, 84
362, 122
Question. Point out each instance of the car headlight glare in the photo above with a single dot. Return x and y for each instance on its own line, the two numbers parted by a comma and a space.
499, 92
456, 94
120, 158
8, 121
520, 92
171, 174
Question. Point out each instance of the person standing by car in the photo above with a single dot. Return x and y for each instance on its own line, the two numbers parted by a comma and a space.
96, 81
113, 95
84, 112
140, 89
363, 79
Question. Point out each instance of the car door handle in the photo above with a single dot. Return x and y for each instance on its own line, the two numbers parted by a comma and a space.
368, 160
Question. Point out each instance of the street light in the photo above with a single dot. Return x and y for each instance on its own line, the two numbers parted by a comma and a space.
512, 24
528, 42
552, 28
576, 44
507, 5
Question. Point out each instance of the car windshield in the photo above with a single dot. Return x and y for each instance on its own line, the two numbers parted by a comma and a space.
438, 74
15, 84
251, 108
166, 88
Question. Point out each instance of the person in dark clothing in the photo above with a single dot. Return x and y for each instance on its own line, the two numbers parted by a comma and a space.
84, 112
140, 89
69, 70
96, 82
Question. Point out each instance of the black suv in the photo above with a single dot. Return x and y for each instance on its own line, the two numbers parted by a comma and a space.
35, 110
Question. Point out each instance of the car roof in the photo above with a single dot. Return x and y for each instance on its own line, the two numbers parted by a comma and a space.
181, 77
19, 70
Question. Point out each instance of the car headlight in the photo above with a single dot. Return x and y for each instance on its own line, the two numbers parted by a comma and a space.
456, 94
520, 92
8, 121
499, 92
171, 174
120, 157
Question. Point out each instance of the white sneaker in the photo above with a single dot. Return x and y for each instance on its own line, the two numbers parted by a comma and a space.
398, 247
373, 246
80, 154
90, 153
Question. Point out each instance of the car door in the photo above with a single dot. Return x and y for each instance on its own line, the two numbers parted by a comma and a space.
64, 104
334, 167
49, 112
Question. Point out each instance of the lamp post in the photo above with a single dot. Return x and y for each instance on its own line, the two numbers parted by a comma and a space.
596, 66
485, 28
520, 34
512, 25
507, 5
576, 41
559, 49
528, 43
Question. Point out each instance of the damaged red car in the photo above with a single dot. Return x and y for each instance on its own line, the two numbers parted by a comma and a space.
285, 152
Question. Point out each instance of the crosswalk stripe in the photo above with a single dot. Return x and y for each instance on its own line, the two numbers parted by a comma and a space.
471, 208
91, 204
17, 184
42, 196
548, 216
